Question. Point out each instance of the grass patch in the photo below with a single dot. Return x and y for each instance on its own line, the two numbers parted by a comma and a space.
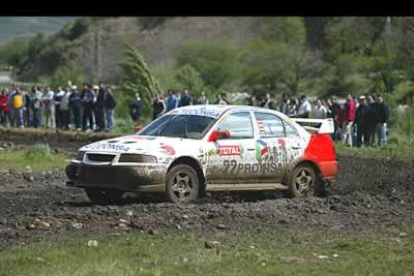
39, 158
389, 151
268, 253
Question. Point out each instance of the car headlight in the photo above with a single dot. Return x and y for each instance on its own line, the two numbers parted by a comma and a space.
137, 158
80, 155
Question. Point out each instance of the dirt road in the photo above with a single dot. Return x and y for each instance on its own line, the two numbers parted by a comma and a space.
371, 195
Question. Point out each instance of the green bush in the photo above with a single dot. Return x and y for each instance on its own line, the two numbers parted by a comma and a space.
38, 150
218, 63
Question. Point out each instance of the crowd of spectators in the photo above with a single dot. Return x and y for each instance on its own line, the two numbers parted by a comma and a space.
357, 121
90, 108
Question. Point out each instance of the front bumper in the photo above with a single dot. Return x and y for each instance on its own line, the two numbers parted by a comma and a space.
133, 178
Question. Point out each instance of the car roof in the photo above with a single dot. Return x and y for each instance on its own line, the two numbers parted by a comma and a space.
218, 110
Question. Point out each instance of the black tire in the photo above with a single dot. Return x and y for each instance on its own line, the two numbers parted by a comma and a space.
182, 184
103, 196
304, 181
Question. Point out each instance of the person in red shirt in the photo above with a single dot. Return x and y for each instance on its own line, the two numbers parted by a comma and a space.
349, 120
4, 109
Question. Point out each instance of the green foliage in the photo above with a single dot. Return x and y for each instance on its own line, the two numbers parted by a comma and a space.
12, 51
189, 78
217, 63
281, 29
280, 68
137, 78
39, 150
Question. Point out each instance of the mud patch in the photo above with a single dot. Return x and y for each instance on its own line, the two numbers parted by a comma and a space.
371, 195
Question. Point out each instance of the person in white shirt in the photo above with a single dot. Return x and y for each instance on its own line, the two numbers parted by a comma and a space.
49, 107
320, 111
64, 109
305, 107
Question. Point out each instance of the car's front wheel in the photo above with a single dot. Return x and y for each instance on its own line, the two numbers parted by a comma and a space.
104, 196
182, 184
304, 181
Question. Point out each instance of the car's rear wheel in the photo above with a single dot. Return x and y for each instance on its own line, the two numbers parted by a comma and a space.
182, 184
104, 196
304, 181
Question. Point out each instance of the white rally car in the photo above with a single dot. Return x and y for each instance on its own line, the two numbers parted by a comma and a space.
209, 147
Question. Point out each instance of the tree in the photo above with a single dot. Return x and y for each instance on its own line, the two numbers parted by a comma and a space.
190, 78
137, 78
279, 66
217, 63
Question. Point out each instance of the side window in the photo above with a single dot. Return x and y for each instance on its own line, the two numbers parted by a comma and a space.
269, 125
239, 125
290, 131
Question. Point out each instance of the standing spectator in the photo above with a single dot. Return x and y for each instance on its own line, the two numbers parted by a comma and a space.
100, 107
75, 105
320, 111
27, 108
110, 108
373, 119
203, 99
87, 97
224, 97
158, 107
349, 120
361, 122
58, 112
17, 103
4, 108
220, 100
37, 107
186, 99
284, 105
172, 100
12, 110
333, 109
49, 107
135, 108
293, 108
383, 115
268, 103
305, 107
65, 109
252, 101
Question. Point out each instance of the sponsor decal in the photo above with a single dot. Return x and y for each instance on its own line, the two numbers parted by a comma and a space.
201, 112
168, 150
261, 149
229, 150
109, 146
234, 167
151, 138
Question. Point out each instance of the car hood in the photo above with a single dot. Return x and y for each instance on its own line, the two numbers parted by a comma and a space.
144, 145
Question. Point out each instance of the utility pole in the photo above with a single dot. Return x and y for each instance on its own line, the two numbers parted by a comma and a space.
97, 51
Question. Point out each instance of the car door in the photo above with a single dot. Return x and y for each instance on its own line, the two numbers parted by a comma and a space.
272, 147
231, 160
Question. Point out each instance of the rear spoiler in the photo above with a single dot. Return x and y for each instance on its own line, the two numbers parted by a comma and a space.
326, 125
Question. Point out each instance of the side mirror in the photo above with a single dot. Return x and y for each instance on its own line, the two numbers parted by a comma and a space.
219, 135
138, 128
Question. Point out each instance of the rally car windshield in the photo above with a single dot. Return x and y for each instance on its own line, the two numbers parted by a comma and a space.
182, 126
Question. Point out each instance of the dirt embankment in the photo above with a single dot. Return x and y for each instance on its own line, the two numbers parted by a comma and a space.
68, 140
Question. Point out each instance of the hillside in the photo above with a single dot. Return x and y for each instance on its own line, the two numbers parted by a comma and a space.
99, 46
11, 27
